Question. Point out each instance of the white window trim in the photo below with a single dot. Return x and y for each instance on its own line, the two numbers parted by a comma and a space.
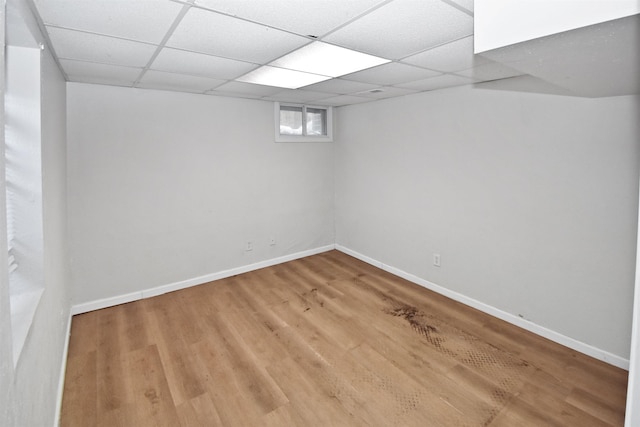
302, 138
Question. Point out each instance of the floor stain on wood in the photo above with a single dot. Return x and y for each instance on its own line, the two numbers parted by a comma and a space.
508, 372
418, 323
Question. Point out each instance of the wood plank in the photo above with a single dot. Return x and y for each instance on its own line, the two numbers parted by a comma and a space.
172, 331
199, 411
113, 388
84, 332
595, 406
153, 404
79, 401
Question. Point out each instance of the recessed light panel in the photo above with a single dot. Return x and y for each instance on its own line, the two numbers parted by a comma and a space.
328, 60
280, 77
311, 64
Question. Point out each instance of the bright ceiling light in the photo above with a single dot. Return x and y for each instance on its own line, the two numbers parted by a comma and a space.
327, 60
313, 63
280, 77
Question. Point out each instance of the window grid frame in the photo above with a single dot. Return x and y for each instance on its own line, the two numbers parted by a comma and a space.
304, 137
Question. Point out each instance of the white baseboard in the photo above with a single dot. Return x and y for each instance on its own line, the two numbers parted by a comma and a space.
105, 302
159, 290
587, 349
63, 372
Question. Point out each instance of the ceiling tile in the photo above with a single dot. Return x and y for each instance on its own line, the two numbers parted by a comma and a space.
233, 95
147, 20
391, 74
220, 35
171, 81
340, 86
91, 72
467, 4
308, 17
438, 82
490, 71
339, 100
404, 27
385, 92
180, 61
248, 89
70, 44
450, 57
297, 95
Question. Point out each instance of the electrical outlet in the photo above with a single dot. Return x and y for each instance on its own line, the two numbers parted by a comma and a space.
249, 246
272, 241
436, 260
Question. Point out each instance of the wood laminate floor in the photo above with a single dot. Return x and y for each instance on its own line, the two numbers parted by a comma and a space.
324, 341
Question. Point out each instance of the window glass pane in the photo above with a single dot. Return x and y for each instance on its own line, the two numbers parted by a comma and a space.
316, 121
290, 120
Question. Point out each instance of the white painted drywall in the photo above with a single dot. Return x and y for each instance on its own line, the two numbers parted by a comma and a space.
7, 395
531, 201
595, 61
29, 393
166, 186
632, 415
499, 23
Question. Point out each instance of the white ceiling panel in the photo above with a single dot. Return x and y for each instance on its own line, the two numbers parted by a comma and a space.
391, 74
171, 81
450, 57
297, 96
467, 4
404, 27
342, 87
90, 47
438, 82
143, 20
340, 100
248, 89
199, 64
490, 71
385, 92
220, 35
233, 95
305, 17
91, 72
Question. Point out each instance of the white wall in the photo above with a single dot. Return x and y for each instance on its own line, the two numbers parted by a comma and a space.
531, 200
632, 416
29, 392
166, 187
7, 399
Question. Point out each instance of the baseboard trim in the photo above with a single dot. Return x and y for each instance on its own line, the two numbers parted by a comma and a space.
159, 290
63, 372
587, 349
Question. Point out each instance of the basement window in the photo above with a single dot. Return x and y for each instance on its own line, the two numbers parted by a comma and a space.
303, 123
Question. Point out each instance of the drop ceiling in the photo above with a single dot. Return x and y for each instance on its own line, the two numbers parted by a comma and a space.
204, 46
